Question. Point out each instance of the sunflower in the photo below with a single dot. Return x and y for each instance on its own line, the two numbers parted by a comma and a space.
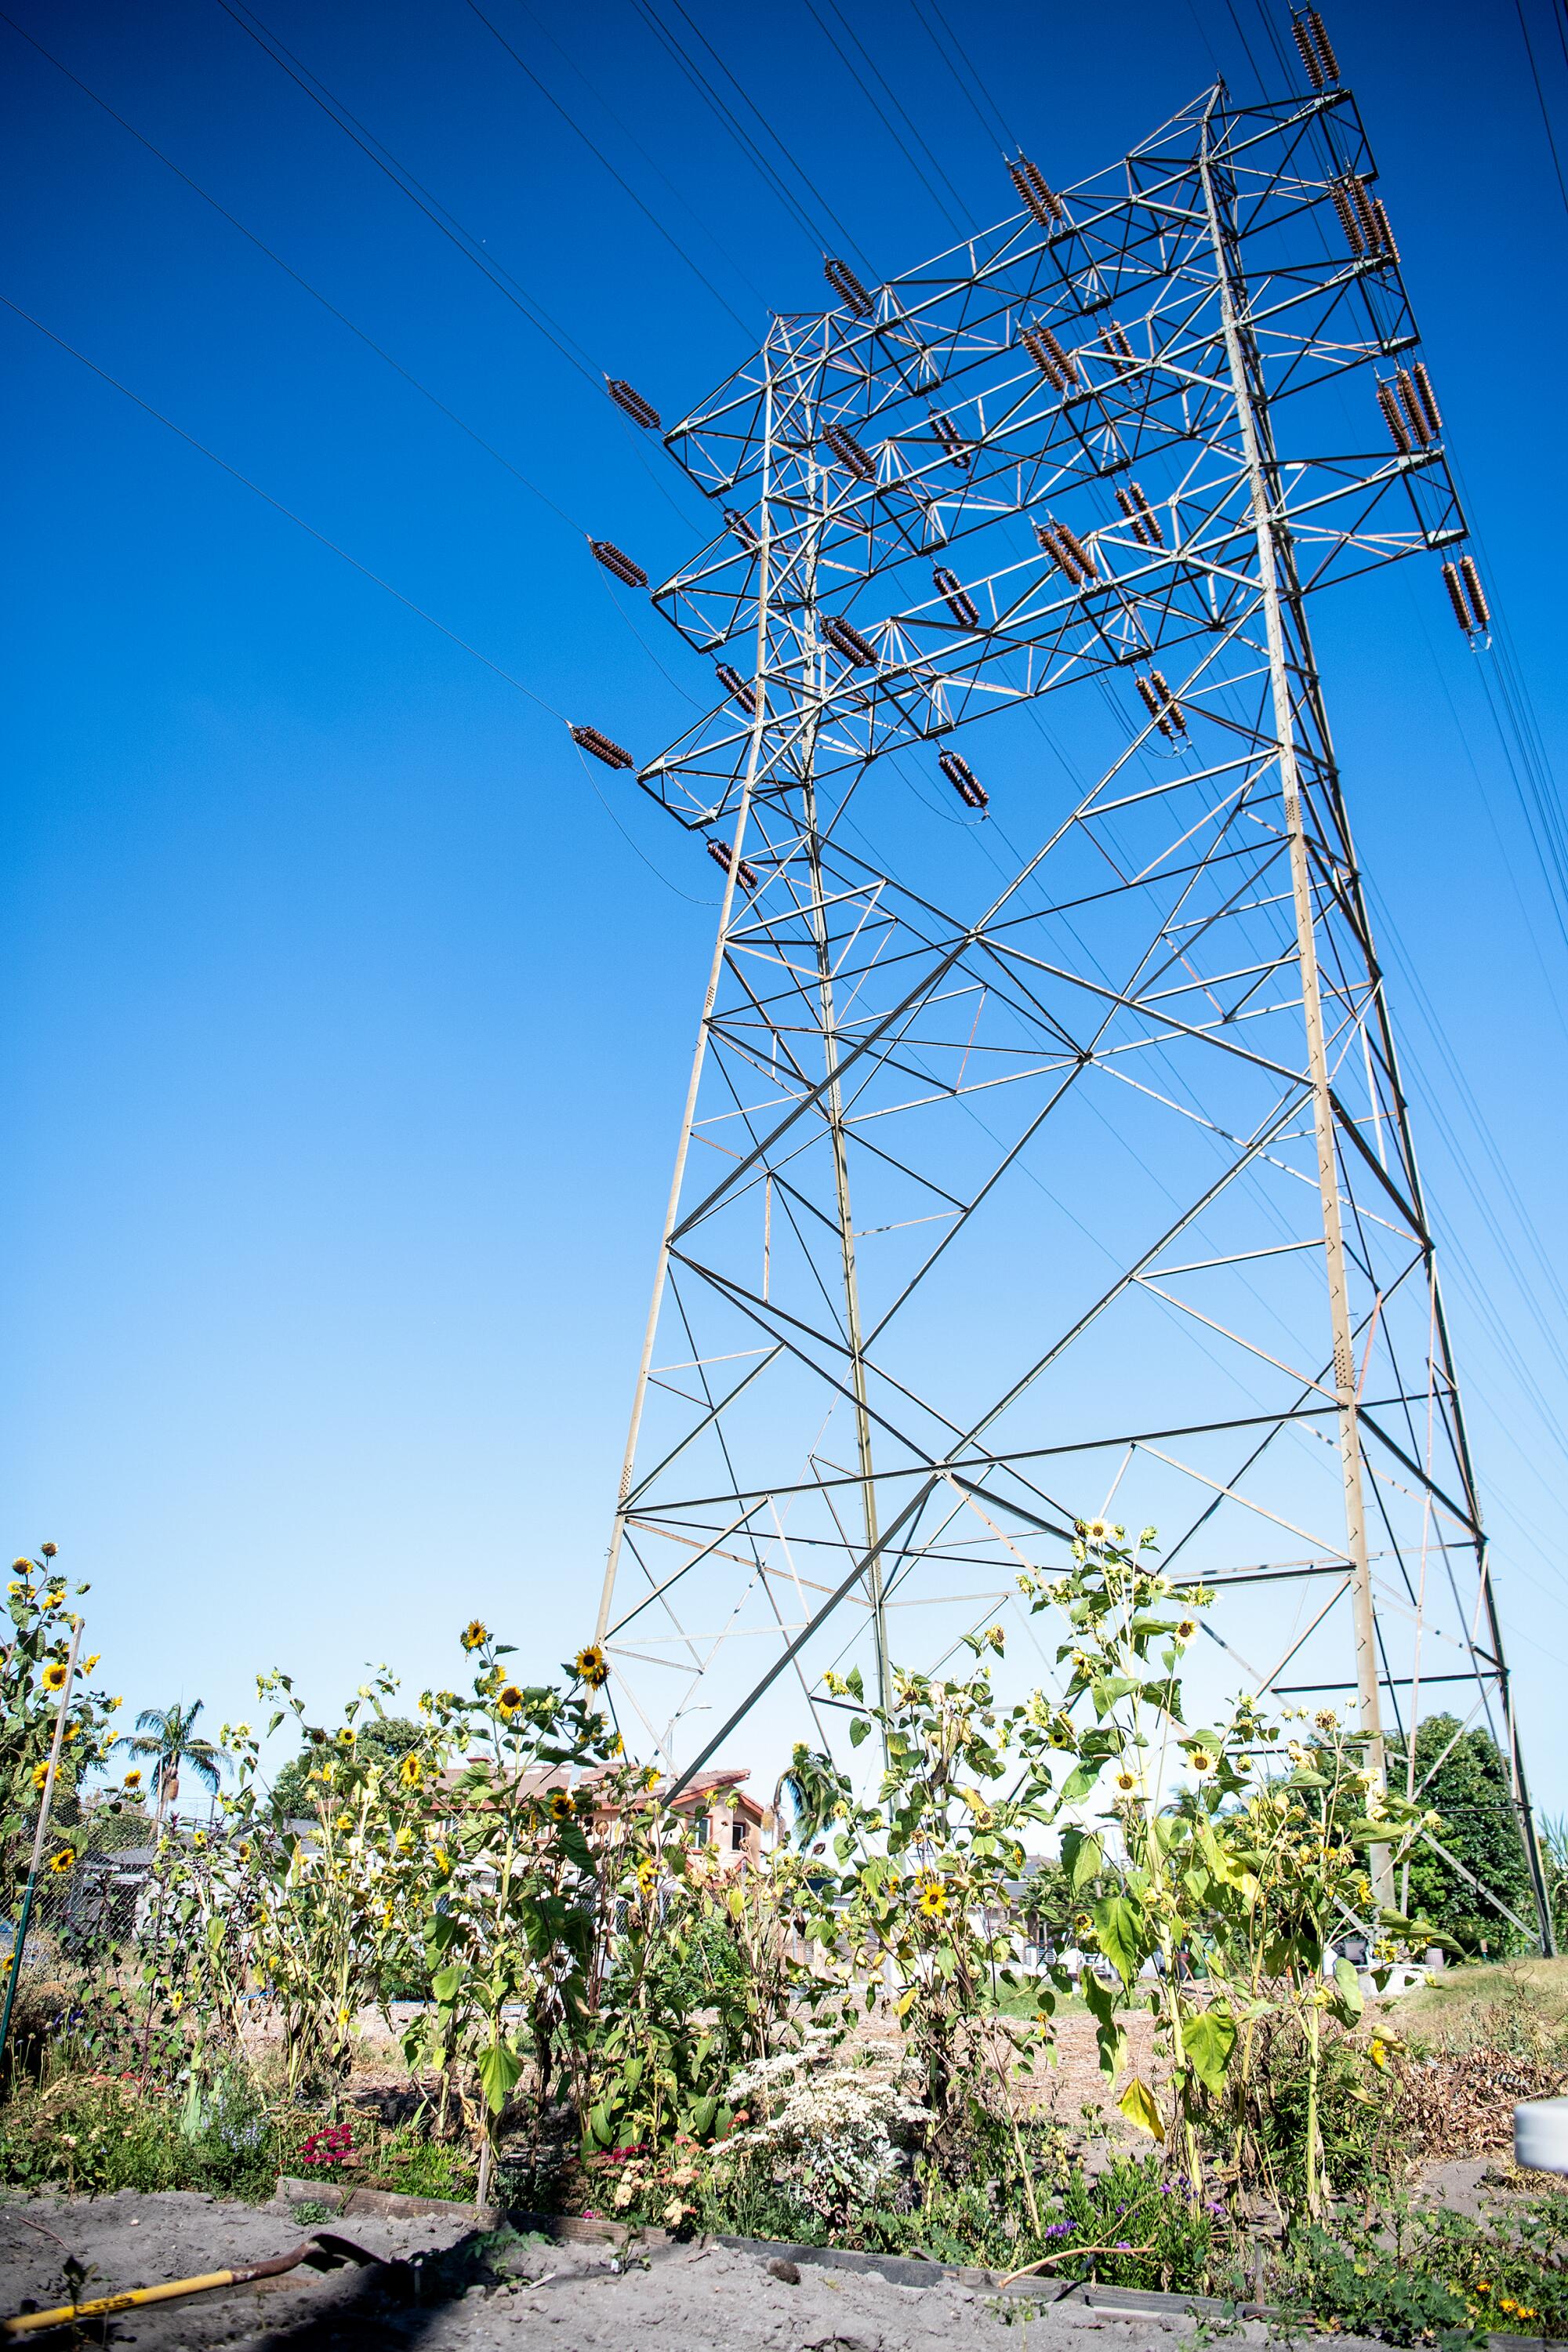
1326, 1719
931, 1895
411, 1771
650, 1776
647, 1878
344, 1821
1061, 1733
133, 1778
1201, 1760
475, 1633
589, 1666
443, 1860
89, 1664
346, 1736
508, 1698
23, 1566
561, 1806
1127, 1782
1097, 1529
404, 1839
55, 1675
40, 1775
1081, 1923
49, 1549
1186, 1629
64, 1860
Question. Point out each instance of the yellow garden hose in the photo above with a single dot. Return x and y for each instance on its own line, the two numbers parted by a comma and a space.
327, 2252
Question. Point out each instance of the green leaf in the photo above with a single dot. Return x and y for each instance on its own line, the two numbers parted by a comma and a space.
858, 1730
854, 1683
1082, 1858
1208, 2038
499, 2067
702, 2115
601, 2126
445, 1982
1078, 1782
1119, 1931
1137, 2103
1349, 1988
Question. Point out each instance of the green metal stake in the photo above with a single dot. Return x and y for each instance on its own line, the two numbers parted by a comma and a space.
39, 1835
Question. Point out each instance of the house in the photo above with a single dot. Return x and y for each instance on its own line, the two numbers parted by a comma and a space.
725, 1818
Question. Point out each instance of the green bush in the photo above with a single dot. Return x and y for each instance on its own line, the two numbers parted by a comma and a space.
1440, 2278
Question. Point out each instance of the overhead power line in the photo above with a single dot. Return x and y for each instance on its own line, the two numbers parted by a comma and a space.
571, 121
303, 283
279, 508
450, 227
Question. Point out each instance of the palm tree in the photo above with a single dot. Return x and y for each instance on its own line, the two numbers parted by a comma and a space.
167, 1735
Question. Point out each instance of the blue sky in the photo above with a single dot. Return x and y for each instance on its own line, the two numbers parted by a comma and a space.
348, 1013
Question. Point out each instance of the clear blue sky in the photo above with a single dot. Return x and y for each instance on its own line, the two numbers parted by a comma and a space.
348, 1013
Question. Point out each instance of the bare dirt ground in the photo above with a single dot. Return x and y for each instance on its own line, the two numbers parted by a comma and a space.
701, 2297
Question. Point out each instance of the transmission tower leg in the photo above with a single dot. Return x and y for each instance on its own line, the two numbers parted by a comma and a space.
1246, 385
672, 1210
834, 1106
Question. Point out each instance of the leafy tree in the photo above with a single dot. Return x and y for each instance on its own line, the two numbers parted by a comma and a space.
34, 1644
167, 1736
1469, 1788
384, 1739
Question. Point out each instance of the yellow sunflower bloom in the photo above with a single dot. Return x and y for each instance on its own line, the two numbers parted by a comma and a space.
133, 1778
561, 1806
589, 1667
930, 1895
508, 1698
1186, 1629
475, 1633
411, 1772
40, 1774
1127, 1782
1201, 1760
55, 1675
1097, 1529
65, 1859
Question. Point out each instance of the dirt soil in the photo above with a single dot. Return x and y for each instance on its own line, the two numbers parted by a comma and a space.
701, 2297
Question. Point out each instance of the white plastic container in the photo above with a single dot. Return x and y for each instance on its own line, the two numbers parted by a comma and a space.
1541, 2135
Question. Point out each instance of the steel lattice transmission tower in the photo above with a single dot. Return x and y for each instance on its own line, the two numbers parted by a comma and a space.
1057, 1163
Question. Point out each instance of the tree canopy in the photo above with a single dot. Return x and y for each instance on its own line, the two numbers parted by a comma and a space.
1469, 1788
383, 1738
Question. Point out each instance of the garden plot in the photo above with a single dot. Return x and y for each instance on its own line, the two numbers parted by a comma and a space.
517, 2292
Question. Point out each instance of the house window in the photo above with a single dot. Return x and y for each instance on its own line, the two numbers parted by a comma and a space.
737, 1837
702, 1828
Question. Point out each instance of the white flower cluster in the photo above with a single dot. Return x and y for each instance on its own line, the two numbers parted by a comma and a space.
832, 2131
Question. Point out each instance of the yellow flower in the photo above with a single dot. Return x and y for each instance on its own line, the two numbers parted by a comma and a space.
443, 1860
646, 1878
615, 1744
133, 1778
1097, 1529
1127, 1782
561, 1806
40, 1774
64, 1859
1186, 1629
404, 1839
89, 1664
589, 1666
650, 1776
243, 1849
931, 1895
412, 1772
23, 1566
475, 1635
200, 1838
344, 1821
176, 2000
346, 1736
1201, 1760
55, 1675
508, 1699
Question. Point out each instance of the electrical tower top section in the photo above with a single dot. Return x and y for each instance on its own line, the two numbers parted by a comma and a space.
1018, 466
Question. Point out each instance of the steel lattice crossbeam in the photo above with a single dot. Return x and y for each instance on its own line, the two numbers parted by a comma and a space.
1021, 1180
